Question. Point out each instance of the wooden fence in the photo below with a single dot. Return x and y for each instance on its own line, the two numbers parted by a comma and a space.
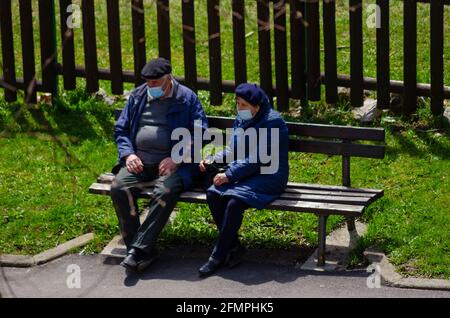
306, 76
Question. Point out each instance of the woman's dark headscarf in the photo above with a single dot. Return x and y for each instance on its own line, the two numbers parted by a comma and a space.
254, 95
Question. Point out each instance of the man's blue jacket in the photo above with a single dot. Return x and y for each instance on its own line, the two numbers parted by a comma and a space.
184, 110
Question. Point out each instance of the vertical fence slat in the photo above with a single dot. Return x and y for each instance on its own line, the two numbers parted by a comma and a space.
90, 45
138, 22
297, 11
68, 46
410, 56
163, 14
190, 55
383, 57
114, 46
48, 45
281, 68
436, 55
313, 50
265, 55
26, 33
9, 70
356, 54
240, 65
329, 35
215, 60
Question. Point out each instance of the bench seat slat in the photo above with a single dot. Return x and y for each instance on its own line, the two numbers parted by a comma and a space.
326, 199
294, 186
308, 192
279, 204
317, 207
295, 197
330, 193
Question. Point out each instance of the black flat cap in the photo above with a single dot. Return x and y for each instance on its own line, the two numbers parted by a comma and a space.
156, 68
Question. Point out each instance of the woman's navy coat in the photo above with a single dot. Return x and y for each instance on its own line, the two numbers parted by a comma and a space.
246, 181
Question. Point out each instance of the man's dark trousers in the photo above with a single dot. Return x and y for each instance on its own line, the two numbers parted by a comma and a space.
124, 193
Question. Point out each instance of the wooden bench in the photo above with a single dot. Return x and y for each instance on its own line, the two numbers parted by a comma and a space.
323, 200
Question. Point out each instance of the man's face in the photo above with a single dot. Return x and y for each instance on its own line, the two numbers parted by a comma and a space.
163, 82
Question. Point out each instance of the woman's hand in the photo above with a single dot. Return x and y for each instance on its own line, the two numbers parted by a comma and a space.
202, 165
220, 179
134, 164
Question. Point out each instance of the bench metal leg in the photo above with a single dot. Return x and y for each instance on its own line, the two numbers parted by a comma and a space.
351, 224
322, 240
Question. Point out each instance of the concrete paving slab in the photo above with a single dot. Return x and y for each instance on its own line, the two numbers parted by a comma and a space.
339, 244
116, 247
175, 276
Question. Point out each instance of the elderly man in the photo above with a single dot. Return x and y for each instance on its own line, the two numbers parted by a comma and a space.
143, 137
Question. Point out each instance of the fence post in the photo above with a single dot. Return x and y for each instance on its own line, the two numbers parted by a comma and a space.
114, 46
190, 55
356, 54
410, 56
298, 44
313, 50
215, 59
48, 46
90, 46
68, 47
163, 15
436, 54
264, 47
28, 59
240, 55
9, 70
383, 57
138, 23
281, 69
329, 35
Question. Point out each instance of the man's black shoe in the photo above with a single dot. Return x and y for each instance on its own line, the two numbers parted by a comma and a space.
138, 260
209, 267
130, 261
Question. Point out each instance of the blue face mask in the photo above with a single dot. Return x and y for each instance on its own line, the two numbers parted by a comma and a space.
155, 92
245, 114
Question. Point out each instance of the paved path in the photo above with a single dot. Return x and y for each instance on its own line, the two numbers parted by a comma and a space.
173, 276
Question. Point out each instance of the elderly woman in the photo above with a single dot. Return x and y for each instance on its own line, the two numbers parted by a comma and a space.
244, 184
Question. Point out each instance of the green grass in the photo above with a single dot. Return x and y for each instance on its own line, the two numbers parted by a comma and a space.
51, 154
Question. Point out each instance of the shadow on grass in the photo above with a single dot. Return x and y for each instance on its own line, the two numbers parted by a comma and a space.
406, 145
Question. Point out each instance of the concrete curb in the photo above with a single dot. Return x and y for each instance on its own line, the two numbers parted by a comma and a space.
46, 256
390, 277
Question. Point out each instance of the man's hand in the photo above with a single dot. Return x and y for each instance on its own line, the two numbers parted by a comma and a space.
220, 179
202, 165
167, 166
134, 164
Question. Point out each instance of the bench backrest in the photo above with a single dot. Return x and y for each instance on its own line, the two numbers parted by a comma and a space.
324, 139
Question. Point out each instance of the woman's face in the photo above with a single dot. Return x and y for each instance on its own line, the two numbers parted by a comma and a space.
242, 104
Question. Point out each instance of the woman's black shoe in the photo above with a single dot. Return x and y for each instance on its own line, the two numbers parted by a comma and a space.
234, 257
209, 267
